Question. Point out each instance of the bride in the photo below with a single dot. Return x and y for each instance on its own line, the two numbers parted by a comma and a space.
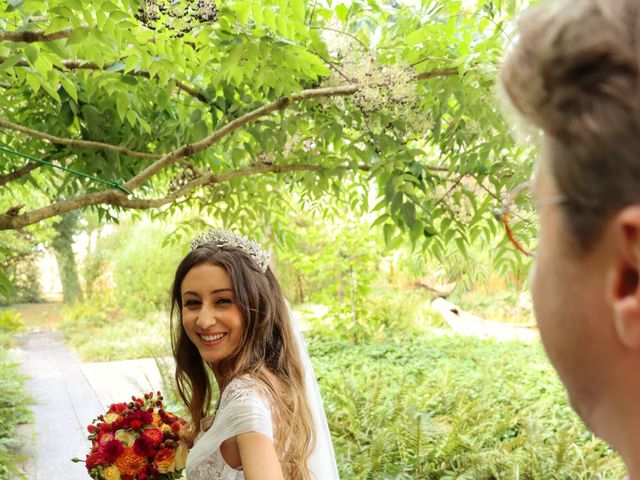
234, 327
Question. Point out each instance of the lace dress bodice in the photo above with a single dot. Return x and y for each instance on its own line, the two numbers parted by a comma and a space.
243, 408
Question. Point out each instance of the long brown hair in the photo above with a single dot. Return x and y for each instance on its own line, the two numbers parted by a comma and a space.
268, 344
575, 73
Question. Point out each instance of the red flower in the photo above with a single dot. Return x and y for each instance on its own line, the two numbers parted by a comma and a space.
94, 459
112, 450
153, 434
144, 447
135, 424
138, 418
117, 407
92, 429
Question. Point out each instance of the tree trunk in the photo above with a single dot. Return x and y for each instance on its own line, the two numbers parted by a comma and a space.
62, 245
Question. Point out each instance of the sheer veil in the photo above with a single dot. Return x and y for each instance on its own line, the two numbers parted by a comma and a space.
322, 461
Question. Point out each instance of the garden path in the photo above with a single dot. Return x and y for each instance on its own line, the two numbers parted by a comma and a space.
68, 394
464, 323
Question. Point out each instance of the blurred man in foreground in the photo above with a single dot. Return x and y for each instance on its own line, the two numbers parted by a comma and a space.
574, 74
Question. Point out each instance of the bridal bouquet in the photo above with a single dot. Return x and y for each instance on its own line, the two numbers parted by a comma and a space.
138, 440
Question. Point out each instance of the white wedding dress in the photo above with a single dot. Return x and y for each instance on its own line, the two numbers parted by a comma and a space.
243, 408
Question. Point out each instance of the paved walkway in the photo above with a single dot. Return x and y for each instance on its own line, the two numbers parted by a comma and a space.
465, 323
68, 395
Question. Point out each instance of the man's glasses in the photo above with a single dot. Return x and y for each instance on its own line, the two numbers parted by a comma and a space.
519, 215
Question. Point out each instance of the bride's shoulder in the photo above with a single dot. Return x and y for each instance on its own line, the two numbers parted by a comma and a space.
245, 387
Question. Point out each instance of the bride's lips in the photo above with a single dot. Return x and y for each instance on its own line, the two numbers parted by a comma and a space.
212, 340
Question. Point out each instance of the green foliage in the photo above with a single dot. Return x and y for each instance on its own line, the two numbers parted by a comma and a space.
132, 268
17, 262
6, 287
452, 407
449, 408
14, 402
10, 323
431, 155
99, 332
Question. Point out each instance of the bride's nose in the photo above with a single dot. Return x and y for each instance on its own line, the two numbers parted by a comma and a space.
207, 317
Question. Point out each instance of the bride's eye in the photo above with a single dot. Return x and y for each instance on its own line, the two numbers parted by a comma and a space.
224, 301
191, 304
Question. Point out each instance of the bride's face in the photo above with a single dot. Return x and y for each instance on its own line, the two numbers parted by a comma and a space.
210, 315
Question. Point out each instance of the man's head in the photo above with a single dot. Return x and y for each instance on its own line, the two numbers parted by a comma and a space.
574, 73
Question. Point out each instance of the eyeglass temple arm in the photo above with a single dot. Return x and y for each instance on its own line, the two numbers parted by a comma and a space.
516, 243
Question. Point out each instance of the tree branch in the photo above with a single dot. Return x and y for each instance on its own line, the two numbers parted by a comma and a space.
280, 104
188, 150
11, 220
77, 143
117, 198
21, 172
32, 36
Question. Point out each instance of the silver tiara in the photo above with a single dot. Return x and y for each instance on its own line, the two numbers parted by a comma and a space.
226, 238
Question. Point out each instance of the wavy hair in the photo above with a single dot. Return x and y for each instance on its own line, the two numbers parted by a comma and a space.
268, 343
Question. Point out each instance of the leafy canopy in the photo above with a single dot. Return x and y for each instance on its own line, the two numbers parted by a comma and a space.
243, 109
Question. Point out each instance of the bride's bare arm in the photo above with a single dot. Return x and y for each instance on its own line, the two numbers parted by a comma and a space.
258, 457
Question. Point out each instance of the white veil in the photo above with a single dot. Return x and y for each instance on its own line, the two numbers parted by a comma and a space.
322, 461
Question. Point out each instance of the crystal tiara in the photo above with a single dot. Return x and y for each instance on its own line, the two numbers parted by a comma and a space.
226, 238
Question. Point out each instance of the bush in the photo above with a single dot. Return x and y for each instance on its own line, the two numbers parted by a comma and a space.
10, 324
13, 405
100, 332
453, 407
18, 261
133, 268
382, 314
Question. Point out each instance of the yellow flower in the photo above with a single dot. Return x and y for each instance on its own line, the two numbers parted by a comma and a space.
166, 460
166, 429
125, 437
111, 473
110, 417
185, 430
181, 455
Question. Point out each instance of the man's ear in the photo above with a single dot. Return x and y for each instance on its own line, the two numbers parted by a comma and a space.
625, 284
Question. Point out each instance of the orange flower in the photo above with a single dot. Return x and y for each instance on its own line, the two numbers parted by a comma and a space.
157, 420
130, 463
